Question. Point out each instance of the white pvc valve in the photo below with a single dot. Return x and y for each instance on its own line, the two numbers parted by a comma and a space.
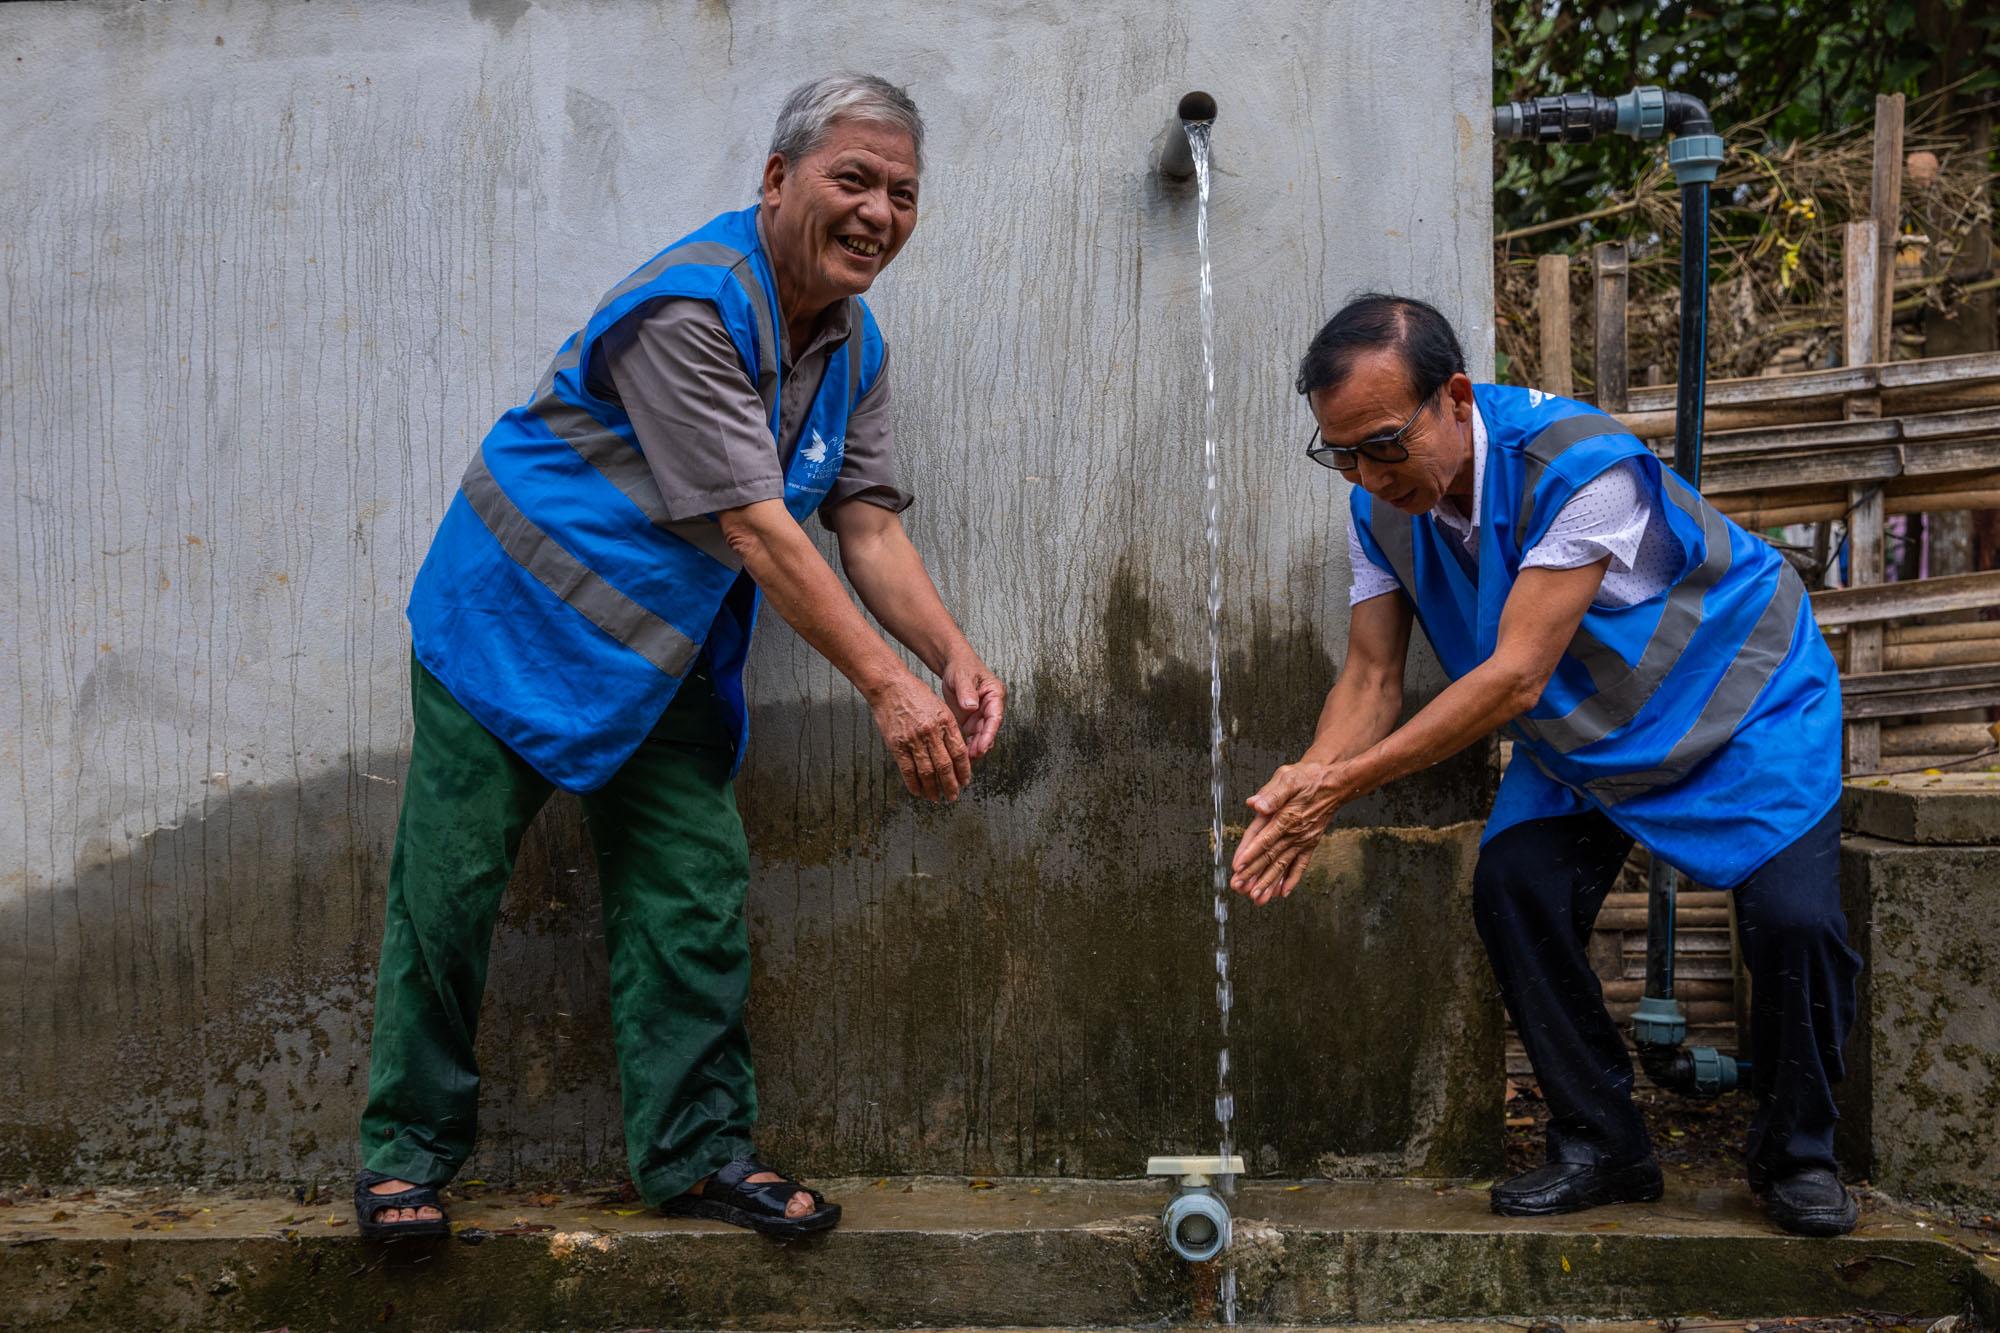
1195, 1171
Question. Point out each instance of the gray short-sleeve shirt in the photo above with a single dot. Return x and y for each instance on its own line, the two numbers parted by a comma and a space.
701, 425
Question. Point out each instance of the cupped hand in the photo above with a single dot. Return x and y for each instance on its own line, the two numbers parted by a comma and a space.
923, 735
1289, 817
978, 701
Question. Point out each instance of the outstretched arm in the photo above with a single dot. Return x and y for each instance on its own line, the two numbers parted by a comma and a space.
919, 730
1292, 811
884, 567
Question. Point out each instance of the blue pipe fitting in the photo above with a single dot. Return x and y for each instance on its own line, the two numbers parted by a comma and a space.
1197, 1225
1642, 113
1714, 1072
1658, 1021
1695, 158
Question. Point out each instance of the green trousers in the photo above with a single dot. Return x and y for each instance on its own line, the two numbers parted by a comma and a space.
673, 865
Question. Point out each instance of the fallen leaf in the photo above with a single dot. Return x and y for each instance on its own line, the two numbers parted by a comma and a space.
543, 1200
1565, 1259
982, 1184
1480, 1185
59, 1215
882, 1183
1293, 1189
336, 1221
475, 1182
1520, 1121
626, 1212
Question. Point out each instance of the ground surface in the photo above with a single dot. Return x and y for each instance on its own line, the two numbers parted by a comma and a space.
1698, 1142
941, 1252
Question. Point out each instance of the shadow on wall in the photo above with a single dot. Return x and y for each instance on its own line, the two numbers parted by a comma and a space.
1021, 984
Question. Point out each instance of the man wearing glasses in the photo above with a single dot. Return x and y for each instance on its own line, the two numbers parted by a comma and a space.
1664, 682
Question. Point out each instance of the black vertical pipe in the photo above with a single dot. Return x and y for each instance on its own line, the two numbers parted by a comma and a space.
1691, 389
1693, 382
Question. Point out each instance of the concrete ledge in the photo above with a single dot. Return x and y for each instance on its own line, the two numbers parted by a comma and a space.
1934, 810
941, 1252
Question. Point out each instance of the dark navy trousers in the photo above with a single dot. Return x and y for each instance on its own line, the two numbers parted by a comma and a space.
1536, 891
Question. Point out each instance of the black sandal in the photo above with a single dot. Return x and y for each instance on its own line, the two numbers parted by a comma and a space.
369, 1205
730, 1196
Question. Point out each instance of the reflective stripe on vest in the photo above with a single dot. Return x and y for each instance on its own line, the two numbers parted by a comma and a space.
625, 467
1762, 652
1598, 715
582, 588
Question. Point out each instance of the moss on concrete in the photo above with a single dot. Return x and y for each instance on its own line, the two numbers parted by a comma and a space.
1924, 1063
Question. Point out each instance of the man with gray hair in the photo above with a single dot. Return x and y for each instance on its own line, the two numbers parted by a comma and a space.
582, 621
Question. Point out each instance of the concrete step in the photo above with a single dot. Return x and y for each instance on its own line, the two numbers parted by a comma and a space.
947, 1252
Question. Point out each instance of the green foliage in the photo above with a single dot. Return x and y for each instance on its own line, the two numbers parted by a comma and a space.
1800, 68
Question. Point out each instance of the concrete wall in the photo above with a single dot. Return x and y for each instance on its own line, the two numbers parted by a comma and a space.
1920, 876
267, 270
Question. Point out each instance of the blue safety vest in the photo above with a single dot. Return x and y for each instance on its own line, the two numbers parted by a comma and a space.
1705, 721
558, 603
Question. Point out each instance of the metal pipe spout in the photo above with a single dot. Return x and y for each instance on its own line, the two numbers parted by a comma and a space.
1177, 155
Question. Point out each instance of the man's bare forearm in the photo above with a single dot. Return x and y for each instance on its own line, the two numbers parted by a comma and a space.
1360, 710
1469, 709
889, 574
1540, 617
1367, 696
803, 589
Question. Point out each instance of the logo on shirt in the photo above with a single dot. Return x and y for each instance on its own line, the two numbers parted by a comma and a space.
1536, 398
818, 462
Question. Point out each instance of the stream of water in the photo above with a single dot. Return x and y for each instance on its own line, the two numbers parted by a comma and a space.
1225, 1101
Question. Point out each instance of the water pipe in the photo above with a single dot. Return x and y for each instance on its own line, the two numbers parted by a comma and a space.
1196, 1220
1177, 155
1659, 1025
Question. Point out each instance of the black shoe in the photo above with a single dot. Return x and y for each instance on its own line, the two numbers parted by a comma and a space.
1810, 1202
1565, 1187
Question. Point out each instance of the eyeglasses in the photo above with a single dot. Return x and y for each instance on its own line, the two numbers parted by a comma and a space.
1387, 448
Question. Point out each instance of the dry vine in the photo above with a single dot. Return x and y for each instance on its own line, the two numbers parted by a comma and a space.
1777, 215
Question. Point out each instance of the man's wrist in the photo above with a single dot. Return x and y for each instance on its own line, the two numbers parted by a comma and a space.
959, 657
881, 678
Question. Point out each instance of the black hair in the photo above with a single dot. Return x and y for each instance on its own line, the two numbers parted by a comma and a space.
1419, 335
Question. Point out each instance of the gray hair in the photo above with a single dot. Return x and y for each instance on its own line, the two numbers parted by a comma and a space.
812, 108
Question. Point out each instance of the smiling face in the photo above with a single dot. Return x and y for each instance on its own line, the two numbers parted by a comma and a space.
1375, 399
836, 217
